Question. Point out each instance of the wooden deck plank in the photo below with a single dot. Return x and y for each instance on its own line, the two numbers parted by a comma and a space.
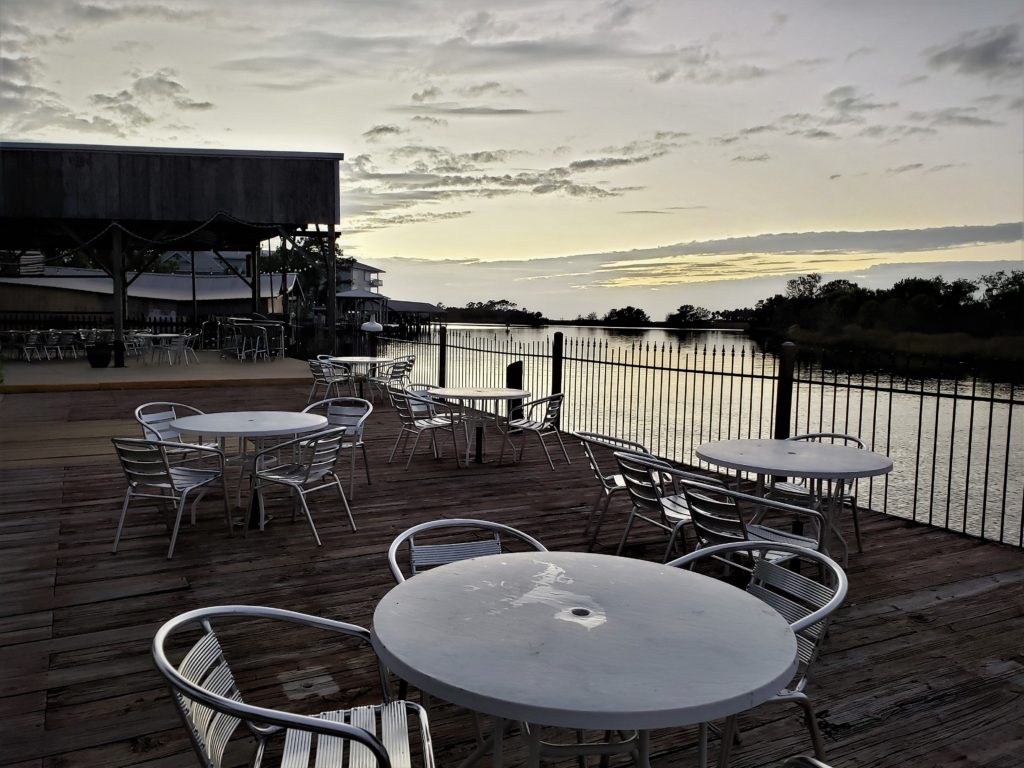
923, 666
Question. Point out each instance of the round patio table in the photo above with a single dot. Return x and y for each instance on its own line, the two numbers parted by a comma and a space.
581, 640
479, 394
360, 365
252, 424
818, 461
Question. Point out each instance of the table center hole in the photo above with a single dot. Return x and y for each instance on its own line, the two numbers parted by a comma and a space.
580, 611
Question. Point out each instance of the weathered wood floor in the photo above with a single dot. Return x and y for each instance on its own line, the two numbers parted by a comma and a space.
925, 666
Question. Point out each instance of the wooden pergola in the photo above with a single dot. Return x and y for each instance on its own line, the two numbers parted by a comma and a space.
108, 202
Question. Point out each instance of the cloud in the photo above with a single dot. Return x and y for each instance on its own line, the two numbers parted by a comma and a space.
736, 271
381, 131
114, 12
449, 108
993, 53
427, 120
953, 116
489, 88
846, 105
430, 93
751, 158
157, 91
484, 24
906, 168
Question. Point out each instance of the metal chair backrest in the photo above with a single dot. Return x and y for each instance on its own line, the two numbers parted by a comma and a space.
410, 407
155, 418
637, 472
446, 550
838, 438
144, 462
209, 701
593, 443
804, 602
348, 412
715, 514
318, 452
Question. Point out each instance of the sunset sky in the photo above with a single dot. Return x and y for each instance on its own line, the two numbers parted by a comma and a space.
577, 156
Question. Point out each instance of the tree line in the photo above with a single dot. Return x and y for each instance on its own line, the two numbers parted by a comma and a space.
981, 318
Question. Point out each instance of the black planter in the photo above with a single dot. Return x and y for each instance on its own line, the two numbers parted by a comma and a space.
98, 355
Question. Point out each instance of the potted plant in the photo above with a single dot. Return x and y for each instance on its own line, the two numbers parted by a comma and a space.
98, 354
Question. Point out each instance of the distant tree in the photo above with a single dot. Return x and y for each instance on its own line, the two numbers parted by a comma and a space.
1003, 298
627, 316
687, 315
805, 287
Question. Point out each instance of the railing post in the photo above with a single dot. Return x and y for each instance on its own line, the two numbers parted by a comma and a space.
442, 355
784, 390
557, 347
514, 380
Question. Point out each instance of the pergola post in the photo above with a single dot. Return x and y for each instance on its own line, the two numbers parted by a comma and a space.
332, 267
117, 275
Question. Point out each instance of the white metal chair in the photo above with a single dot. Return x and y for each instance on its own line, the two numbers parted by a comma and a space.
802, 491
211, 705
540, 417
451, 540
388, 377
806, 603
653, 487
329, 376
31, 346
350, 413
595, 445
155, 419
418, 416
296, 464
720, 516
151, 475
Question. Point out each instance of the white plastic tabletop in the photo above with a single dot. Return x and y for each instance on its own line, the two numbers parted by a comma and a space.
360, 360
581, 640
249, 423
795, 458
479, 393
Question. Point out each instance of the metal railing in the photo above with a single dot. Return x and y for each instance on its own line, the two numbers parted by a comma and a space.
957, 443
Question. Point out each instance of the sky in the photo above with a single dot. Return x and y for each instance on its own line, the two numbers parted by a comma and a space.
576, 156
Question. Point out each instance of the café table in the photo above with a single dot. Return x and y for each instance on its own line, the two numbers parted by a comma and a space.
360, 365
479, 415
583, 641
822, 463
161, 343
253, 425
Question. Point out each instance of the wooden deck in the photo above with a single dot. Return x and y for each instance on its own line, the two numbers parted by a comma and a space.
924, 667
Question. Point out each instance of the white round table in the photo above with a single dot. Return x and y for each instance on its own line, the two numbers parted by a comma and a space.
809, 459
254, 424
360, 365
249, 423
582, 640
479, 394
795, 458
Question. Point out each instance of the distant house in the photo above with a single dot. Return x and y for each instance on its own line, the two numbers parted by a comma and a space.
359, 300
151, 295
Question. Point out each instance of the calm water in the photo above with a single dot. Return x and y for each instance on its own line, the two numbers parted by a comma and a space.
958, 462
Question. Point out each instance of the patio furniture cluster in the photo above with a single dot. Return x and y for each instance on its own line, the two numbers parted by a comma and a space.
536, 625
142, 344
786, 609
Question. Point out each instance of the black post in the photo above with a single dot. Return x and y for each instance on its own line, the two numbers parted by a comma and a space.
557, 351
784, 393
442, 355
514, 380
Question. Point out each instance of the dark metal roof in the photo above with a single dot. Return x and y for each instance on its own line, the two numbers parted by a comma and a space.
70, 196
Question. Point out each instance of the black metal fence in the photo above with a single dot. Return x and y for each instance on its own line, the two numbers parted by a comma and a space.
957, 442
